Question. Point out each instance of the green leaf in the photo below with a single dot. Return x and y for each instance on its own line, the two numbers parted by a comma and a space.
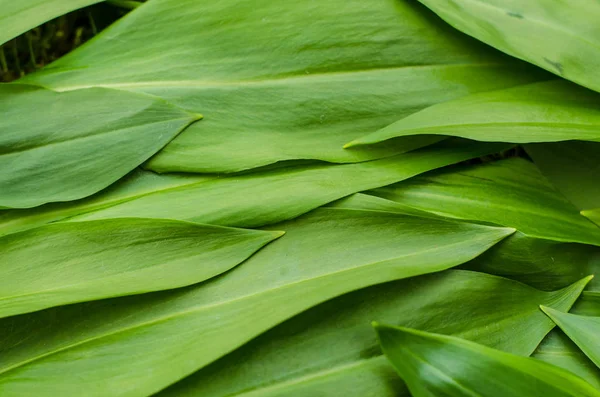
583, 330
510, 192
559, 350
572, 167
331, 350
541, 112
45, 158
593, 215
137, 184
138, 345
433, 365
76, 262
543, 32
285, 81
257, 199
20, 16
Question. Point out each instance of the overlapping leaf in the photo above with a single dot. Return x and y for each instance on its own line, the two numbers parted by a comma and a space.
563, 40
248, 200
540, 112
20, 16
331, 349
434, 365
75, 262
76, 143
138, 345
284, 81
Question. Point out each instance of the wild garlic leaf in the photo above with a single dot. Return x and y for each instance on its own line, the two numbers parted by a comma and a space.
433, 365
74, 144
66, 263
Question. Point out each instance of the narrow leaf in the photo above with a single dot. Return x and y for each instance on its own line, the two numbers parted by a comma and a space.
110, 132
323, 255
331, 349
75, 262
583, 330
434, 365
541, 112
593, 215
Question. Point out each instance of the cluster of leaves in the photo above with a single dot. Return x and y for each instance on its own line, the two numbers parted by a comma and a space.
144, 251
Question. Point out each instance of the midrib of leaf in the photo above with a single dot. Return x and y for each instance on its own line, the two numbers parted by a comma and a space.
234, 300
556, 28
299, 78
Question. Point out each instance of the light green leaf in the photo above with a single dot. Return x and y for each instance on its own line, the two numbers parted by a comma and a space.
257, 199
593, 215
138, 345
541, 112
583, 330
77, 143
563, 40
510, 192
559, 350
20, 16
572, 167
137, 184
433, 365
285, 80
76, 262
331, 349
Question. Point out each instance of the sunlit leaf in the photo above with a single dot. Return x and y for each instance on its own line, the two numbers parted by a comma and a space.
433, 365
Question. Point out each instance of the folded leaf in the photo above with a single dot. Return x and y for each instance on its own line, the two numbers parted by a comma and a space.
510, 192
433, 365
75, 262
285, 80
138, 345
542, 112
562, 40
583, 330
20, 16
258, 199
572, 167
331, 350
44, 159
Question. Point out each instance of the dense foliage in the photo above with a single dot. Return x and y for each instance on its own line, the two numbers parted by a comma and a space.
311, 198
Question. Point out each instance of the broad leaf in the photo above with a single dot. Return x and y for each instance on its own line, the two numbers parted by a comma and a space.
20, 16
331, 350
573, 168
433, 365
583, 330
138, 345
137, 184
563, 40
258, 199
45, 159
75, 262
541, 112
510, 192
283, 81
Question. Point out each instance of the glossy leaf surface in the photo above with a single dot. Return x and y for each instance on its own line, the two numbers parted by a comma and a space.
434, 365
